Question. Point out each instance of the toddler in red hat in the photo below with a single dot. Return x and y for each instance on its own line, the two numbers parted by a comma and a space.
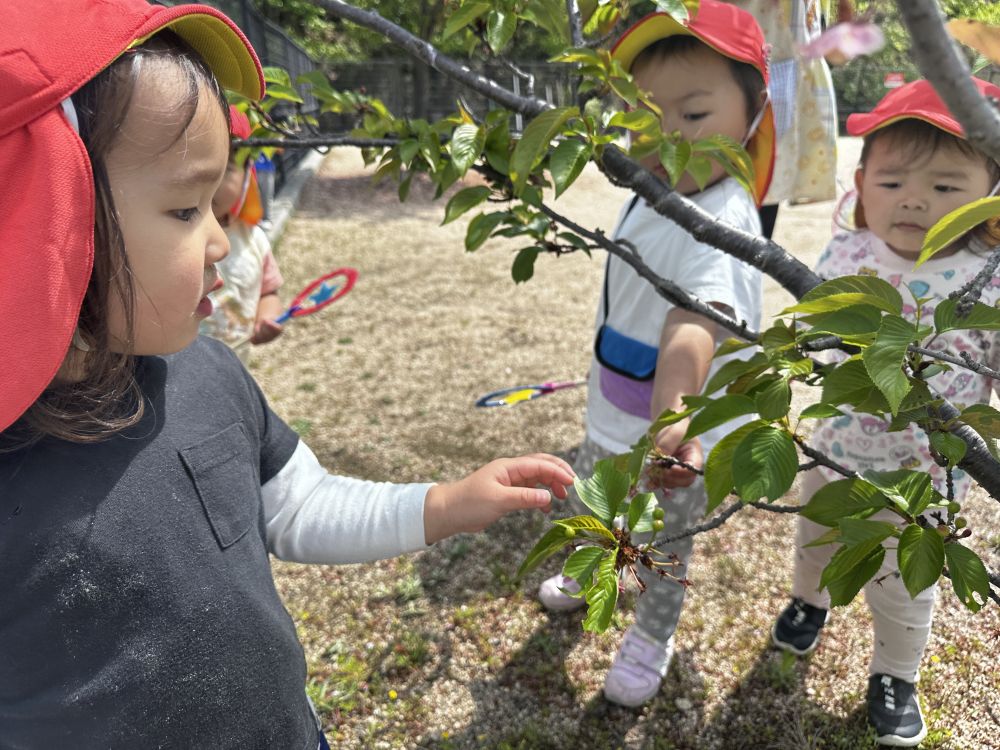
916, 167
708, 77
245, 308
145, 481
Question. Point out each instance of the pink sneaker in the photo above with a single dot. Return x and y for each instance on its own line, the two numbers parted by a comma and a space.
638, 670
555, 600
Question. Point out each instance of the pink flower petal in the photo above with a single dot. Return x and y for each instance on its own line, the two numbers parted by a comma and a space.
848, 39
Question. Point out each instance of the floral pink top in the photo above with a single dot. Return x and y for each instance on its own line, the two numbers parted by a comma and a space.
861, 441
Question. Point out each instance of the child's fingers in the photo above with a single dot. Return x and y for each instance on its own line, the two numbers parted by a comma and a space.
539, 468
526, 498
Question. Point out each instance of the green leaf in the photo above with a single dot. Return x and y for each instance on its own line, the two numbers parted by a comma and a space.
463, 17
981, 316
719, 412
984, 419
567, 162
675, 157
774, 399
553, 541
283, 92
480, 229
968, 575
534, 143
765, 464
668, 418
820, 411
921, 557
844, 588
849, 290
954, 225
861, 539
950, 446
734, 369
700, 169
463, 200
884, 359
841, 499
524, 264
849, 383
911, 491
640, 120
275, 76
500, 27
731, 345
855, 531
719, 465
589, 525
603, 491
467, 143
581, 564
637, 458
640, 512
603, 595
846, 322
676, 8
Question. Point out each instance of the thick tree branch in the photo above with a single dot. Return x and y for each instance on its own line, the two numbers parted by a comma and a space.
940, 61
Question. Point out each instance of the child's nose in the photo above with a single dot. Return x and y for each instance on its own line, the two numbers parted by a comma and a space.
218, 243
914, 201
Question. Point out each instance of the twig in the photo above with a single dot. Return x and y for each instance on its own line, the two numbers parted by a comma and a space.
664, 287
972, 290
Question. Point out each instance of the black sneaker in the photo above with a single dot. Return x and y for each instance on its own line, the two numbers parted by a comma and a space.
894, 711
797, 628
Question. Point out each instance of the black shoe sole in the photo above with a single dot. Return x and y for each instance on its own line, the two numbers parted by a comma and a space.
788, 646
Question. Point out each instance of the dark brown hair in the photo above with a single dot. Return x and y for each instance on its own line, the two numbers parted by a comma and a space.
747, 77
918, 139
107, 399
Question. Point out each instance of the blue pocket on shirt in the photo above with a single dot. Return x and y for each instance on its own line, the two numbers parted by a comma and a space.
624, 355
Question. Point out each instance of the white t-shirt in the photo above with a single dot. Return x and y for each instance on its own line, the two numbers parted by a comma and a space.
639, 312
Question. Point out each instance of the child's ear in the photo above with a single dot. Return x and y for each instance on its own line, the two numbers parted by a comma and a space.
859, 210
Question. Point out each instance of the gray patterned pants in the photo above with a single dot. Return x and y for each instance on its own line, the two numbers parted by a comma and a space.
659, 609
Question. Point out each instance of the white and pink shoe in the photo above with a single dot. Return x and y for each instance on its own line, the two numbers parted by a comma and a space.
638, 670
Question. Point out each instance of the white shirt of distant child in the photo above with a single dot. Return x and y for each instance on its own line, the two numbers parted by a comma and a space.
637, 309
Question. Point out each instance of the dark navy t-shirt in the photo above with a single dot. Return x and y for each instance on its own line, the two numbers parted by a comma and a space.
137, 607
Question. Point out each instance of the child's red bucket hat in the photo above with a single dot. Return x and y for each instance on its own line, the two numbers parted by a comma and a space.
48, 50
733, 33
915, 100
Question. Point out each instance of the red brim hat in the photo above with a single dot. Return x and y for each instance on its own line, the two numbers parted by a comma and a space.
733, 33
48, 51
916, 100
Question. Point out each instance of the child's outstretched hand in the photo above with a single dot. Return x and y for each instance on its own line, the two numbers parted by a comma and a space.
668, 442
487, 494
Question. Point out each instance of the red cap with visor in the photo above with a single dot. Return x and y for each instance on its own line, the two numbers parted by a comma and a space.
733, 33
48, 51
915, 100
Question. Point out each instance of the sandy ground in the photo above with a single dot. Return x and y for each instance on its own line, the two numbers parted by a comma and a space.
440, 649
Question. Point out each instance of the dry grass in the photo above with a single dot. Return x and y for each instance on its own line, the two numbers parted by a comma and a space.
439, 649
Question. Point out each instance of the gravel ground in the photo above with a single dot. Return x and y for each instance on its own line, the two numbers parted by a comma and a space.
440, 649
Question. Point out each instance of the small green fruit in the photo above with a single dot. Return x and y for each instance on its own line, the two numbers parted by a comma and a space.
954, 507
961, 523
658, 514
569, 532
658, 525
943, 530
